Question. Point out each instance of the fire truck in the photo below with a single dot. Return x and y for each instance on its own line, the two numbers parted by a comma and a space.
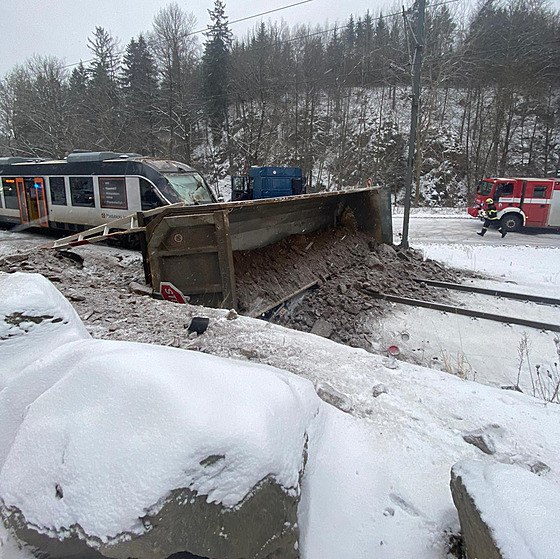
521, 202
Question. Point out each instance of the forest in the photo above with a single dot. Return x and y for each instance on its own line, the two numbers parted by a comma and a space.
334, 100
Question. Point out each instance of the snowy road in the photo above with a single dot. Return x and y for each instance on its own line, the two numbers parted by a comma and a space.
527, 262
427, 228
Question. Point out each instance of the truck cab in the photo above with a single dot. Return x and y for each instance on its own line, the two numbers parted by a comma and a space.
267, 182
529, 202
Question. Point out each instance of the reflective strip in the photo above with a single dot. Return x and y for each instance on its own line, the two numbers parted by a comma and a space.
538, 200
526, 201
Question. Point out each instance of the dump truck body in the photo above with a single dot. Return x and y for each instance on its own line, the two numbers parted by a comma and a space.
189, 250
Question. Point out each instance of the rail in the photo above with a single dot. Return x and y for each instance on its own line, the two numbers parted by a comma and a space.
466, 312
450, 308
493, 292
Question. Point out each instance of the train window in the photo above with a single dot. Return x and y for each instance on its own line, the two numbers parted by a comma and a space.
539, 192
190, 188
58, 191
81, 192
112, 193
148, 196
10, 194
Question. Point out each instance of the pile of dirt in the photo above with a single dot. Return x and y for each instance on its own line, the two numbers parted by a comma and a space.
344, 271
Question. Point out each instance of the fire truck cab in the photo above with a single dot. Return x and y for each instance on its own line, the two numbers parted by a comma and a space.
521, 202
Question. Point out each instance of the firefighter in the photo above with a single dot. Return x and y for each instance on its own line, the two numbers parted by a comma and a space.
491, 216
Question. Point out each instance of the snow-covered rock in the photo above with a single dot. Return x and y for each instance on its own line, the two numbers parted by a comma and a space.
332, 396
34, 321
141, 450
505, 511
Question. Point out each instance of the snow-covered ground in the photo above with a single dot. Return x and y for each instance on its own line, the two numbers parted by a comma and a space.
377, 479
477, 349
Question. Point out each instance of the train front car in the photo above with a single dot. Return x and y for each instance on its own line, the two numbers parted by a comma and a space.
178, 182
92, 188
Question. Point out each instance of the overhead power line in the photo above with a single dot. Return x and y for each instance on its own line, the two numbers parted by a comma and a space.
339, 27
206, 28
255, 16
293, 39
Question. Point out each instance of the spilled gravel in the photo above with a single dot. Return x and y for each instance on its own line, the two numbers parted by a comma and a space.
345, 268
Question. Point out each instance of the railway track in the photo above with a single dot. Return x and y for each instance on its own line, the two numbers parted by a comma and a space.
476, 313
494, 292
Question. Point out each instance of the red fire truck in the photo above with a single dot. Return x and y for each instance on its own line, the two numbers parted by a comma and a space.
521, 202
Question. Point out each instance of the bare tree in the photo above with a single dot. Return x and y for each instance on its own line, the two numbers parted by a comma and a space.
176, 51
34, 108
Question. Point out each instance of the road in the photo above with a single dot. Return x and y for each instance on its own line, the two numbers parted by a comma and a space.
460, 230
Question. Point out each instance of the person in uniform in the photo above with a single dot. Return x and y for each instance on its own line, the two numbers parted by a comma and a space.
491, 216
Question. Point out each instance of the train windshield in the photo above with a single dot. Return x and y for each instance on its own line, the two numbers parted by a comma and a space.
190, 188
485, 188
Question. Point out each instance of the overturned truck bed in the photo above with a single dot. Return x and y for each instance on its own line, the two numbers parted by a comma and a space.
200, 251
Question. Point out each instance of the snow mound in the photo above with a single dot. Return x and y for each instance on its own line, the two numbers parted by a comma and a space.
97, 433
35, 319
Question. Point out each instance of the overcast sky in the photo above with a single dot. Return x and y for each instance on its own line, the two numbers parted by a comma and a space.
62, 27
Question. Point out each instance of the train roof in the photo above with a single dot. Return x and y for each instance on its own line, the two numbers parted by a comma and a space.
91, 163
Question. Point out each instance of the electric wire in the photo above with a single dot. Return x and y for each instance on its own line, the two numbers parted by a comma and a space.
206, 29
341, 79
253, 16
291, 40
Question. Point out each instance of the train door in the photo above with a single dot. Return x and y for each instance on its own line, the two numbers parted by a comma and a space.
32, 201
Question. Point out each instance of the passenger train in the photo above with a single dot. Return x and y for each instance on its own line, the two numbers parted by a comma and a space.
91, 188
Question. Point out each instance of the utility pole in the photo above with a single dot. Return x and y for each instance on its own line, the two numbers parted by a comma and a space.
416, 65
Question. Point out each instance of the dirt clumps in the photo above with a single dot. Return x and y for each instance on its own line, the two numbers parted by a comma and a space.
345, 271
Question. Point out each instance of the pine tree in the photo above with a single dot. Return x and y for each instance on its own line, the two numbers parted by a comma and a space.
216, 65
78, 108
334, 58
103, 91
141, 91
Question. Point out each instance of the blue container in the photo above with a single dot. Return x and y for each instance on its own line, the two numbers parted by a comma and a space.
271, 182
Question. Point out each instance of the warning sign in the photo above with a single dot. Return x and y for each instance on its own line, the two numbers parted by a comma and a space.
170, 293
